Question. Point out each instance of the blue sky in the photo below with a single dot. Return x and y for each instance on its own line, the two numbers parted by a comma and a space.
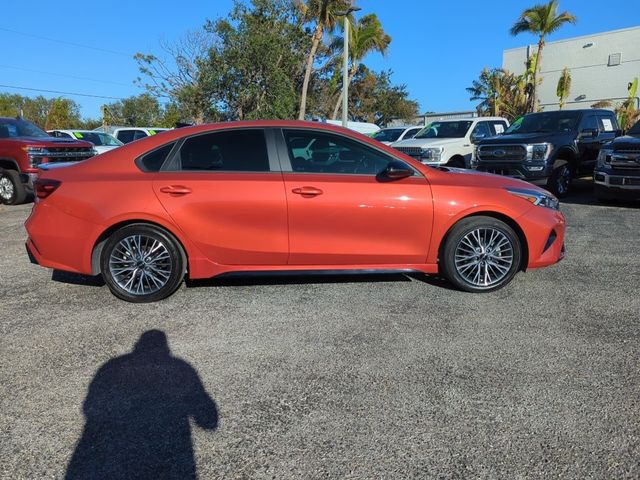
438, 47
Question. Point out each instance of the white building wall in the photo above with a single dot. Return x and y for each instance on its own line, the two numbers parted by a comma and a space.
588, 58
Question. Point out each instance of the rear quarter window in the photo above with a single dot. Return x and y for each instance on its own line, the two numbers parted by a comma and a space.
153, 160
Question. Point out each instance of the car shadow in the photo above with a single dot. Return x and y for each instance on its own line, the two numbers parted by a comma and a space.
583, 193
138, 409
77, 278
293, 278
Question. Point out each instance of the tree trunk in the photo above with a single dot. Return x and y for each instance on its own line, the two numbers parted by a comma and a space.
336, 109
315, 42
536, 70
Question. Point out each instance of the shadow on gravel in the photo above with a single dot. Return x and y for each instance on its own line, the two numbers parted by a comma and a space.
582, 193
77, 279
137, 413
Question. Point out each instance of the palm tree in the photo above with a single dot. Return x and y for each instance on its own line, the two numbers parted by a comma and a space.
324, 14
487, 89
541, 20
564, 87
365, 36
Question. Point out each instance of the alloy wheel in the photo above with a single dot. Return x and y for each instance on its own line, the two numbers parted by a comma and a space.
140, 264
7, 189
484, 257
563, 180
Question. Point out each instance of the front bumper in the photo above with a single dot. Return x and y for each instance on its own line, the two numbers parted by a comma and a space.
617, 180
536, 174
28, 180
545, 232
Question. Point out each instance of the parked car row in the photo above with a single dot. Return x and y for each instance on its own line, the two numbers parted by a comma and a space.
549, 149
24, 148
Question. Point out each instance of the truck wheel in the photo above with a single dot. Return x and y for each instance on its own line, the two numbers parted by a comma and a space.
12, 191
559, 182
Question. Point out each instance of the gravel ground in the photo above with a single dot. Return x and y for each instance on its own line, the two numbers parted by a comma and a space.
374, 377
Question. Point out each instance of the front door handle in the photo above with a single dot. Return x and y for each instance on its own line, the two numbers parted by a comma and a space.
307, 191
176, 190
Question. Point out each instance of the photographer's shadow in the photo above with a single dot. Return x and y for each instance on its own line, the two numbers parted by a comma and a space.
138, 410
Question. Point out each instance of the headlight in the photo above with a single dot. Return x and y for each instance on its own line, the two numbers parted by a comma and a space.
432, 154
541, 199
604, 157
538, 152
35, 154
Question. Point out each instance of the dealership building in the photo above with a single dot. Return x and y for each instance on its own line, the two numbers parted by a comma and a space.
602, 65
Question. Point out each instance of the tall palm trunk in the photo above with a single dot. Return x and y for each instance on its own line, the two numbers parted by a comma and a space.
536, 71
315, 42
336, 109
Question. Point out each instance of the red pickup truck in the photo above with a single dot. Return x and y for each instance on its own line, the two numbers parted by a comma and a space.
23, 147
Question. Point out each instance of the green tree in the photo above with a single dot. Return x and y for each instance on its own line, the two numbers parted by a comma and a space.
63, 113
501, 93
540, 20
255, 67
376, 99
322, 14
564, 87
176, 75
365, 36
137, 111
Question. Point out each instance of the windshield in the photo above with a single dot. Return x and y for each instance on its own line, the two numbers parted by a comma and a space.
445, 130
16, 128
545, 122
388, 134
98, 138
635, 130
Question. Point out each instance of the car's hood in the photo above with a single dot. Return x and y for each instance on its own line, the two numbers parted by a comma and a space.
526, 138
50, 142
427, 142
474, 178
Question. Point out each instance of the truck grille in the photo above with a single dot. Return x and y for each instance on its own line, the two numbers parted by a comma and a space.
67, 154
411, 151
502, 153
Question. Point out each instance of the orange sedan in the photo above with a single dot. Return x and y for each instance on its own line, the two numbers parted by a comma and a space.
283, 195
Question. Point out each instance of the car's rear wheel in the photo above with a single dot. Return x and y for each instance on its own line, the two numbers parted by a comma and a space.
141, 263
12, 191
481, 254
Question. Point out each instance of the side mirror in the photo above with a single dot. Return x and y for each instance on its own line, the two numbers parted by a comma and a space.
588, 133
476, 137
397, 170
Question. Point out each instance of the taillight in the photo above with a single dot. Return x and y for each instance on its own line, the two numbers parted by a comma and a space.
46, 186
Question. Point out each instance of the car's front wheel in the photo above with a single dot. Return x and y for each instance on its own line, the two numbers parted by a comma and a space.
481, 254
141, 263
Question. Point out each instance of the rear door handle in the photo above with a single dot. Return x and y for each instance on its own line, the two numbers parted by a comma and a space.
307, 191
176, 190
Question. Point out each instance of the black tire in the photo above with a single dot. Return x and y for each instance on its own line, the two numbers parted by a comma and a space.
456, 243
12, 191
117, 256
559, 182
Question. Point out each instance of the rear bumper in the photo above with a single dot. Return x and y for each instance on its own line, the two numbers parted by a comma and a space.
58, 240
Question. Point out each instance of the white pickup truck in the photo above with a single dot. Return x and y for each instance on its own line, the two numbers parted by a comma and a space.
450, 142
